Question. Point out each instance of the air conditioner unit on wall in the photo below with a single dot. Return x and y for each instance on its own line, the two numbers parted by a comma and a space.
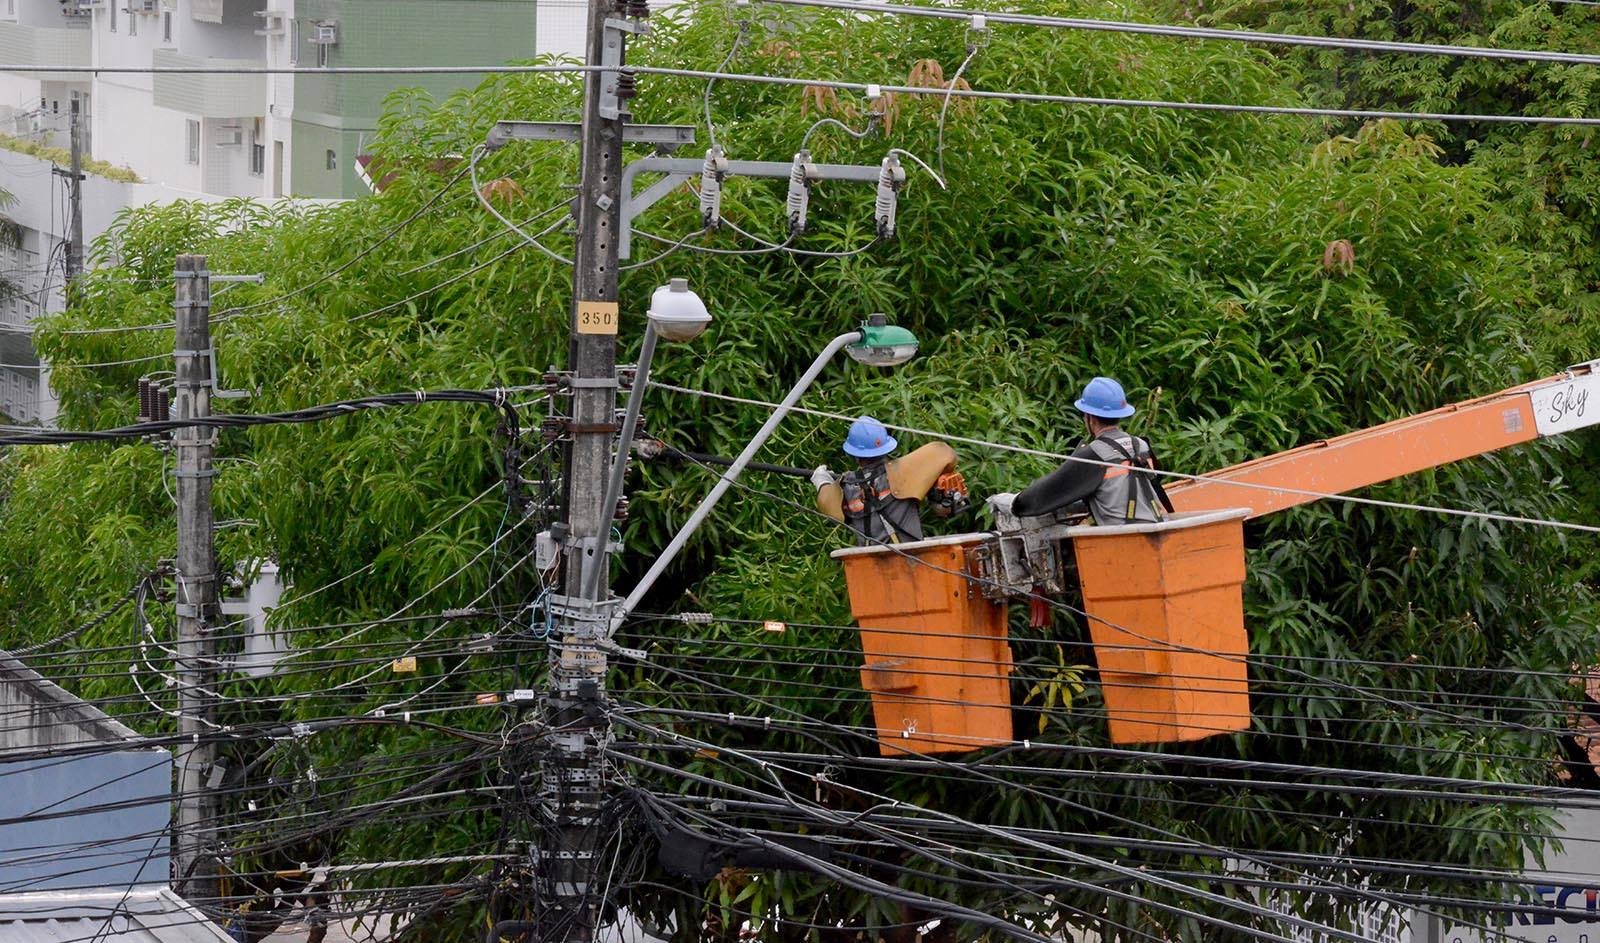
230, 135
144, 6
272, 22
325, 33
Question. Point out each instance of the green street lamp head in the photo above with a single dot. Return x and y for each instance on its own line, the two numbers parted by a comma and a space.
883, 344
676, 313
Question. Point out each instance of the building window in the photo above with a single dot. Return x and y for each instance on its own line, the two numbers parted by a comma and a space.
258, 150
133, 20
294, 42
11, 7
193, 141
166, 26
333, 160
112, 10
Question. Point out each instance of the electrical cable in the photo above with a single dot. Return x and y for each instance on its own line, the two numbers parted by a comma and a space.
1160, 644
496, 398
472, 167
859, 7
733, 50
1277, 489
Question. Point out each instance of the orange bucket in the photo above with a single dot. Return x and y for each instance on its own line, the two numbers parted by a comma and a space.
936, 654
1166, 608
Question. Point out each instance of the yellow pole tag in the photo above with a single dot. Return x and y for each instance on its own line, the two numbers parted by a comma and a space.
597, 317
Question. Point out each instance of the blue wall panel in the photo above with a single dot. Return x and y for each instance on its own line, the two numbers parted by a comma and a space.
117, 846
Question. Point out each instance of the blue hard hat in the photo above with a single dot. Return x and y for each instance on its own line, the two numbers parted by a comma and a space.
1103, 397
868, 439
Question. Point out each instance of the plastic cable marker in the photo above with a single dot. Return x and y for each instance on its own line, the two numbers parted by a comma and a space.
597, 317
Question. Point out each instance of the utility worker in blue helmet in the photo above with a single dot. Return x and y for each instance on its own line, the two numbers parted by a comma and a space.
1112, 475
881, 499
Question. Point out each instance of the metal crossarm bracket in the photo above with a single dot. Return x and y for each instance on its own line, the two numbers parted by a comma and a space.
589, 617
680, 170
669, 136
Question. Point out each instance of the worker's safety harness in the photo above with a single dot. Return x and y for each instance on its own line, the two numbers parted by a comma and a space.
869, 498
1143, 482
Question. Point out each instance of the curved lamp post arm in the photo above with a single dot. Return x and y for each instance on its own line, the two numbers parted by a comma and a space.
619, 466
726, 480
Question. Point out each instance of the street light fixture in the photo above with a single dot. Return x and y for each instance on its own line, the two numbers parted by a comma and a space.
876, 342
882, 344
676, 315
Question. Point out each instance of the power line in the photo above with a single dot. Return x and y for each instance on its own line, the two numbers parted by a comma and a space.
1199, 32
245, 420
1182, 476
862, 87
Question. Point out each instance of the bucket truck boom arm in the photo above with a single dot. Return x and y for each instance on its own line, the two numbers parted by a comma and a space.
1566, 401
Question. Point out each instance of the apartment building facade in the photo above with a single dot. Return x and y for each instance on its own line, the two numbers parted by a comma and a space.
226, 130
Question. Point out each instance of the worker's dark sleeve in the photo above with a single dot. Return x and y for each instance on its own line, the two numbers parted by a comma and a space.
1072, 482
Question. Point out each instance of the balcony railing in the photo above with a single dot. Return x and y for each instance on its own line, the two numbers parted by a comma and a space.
64, 45
211, 94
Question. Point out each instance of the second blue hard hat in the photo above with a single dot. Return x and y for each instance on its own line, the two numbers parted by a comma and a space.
868, 439
1103, 397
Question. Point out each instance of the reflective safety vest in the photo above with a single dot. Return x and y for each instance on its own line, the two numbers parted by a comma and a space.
1130, 493
872, 510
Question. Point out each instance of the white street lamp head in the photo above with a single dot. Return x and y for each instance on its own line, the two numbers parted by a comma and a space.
883, 344
676, 313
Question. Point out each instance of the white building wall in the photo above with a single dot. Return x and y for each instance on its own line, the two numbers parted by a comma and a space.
561, 27
280, 99
1568, 881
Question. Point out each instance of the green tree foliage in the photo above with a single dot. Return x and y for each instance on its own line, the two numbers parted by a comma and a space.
1258, 282
1545, 177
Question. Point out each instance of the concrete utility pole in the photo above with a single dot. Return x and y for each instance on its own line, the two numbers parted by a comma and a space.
74, 263
572, 789
75, 233
195, 864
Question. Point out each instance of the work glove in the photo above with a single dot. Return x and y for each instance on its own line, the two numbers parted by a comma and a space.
1000, 507
821, 476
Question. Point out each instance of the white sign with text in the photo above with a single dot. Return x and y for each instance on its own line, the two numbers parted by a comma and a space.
1570, 404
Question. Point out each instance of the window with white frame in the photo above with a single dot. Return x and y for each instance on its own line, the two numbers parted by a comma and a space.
133, 20
193, 141
112, 12
332, 160
166, 26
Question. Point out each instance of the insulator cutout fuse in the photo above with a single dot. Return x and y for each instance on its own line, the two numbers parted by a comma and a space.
801, 175
711, 177
891, 177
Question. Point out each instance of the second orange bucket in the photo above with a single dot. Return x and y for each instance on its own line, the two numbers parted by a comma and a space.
936, 653
1166, 615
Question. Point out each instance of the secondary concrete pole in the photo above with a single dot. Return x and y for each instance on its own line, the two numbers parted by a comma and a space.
195, 863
